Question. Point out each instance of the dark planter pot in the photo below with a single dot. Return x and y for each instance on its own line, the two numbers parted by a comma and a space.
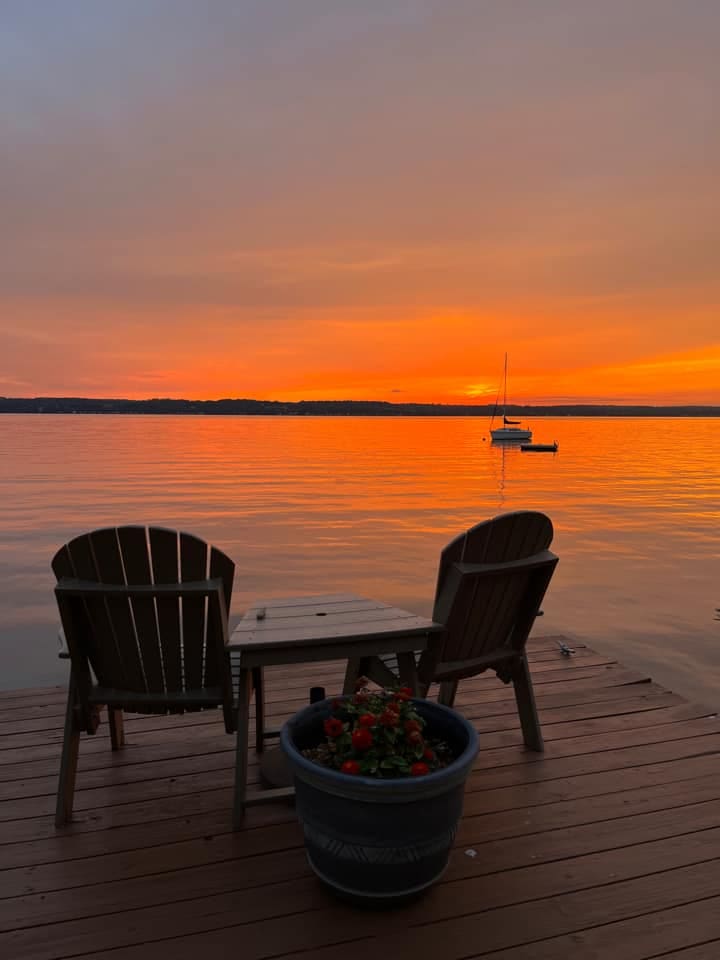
379, 840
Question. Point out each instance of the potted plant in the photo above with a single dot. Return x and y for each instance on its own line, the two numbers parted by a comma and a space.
379, 780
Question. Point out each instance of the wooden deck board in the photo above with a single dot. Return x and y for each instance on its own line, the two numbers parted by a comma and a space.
607, 844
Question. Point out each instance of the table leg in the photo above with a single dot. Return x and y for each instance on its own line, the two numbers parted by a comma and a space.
259, 688
241, 748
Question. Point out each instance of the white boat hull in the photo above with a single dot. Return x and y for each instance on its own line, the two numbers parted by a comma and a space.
511, 433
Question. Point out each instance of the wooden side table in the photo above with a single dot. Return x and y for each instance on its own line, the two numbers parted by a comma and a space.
310, 629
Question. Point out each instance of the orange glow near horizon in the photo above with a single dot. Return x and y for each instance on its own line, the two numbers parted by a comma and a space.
453, 359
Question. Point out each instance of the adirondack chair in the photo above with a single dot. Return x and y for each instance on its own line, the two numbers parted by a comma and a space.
144, 613
491, 582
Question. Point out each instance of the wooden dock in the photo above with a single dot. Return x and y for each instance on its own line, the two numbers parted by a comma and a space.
608, 845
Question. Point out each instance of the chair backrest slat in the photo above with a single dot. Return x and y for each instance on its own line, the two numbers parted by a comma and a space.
133, 543
491, 582
104, 657
221, 568
452, 553
76, 623
193, 566
165, 569
486, 605
110, 569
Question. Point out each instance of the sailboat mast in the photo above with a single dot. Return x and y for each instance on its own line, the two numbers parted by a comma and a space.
505, 389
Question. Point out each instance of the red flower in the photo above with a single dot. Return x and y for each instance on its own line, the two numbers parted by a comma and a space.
360, 697
333, 727
419, 769
367, 720
428, 753
411, 725
415, 737
350, 766
389, 718
404, 693
362, 739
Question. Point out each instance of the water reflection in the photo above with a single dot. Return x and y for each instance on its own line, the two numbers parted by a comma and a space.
500, 451
305, 504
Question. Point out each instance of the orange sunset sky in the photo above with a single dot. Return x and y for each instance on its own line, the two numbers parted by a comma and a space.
290, 199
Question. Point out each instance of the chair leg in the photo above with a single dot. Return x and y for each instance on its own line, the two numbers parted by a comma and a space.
259, 688
407, 671
117, 730
448, 689
525, 699
241, 747
355, 668
68, 761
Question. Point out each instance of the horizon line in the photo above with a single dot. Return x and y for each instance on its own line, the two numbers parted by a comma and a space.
611, 404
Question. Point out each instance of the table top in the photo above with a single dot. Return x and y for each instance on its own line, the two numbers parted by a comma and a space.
299, 621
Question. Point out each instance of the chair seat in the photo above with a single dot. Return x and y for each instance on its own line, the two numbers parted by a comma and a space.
173, 703
457, 670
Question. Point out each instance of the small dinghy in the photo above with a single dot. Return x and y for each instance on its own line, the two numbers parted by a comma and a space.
539, 447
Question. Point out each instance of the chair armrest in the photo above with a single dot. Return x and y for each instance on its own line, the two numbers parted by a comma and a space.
63, 651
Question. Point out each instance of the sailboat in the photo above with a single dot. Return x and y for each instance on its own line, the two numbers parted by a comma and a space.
511, 429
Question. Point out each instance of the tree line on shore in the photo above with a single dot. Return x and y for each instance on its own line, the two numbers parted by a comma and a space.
336, 408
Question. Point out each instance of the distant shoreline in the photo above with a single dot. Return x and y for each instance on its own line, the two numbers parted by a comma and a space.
337, 408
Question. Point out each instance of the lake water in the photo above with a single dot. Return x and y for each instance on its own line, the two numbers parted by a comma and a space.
317, 505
